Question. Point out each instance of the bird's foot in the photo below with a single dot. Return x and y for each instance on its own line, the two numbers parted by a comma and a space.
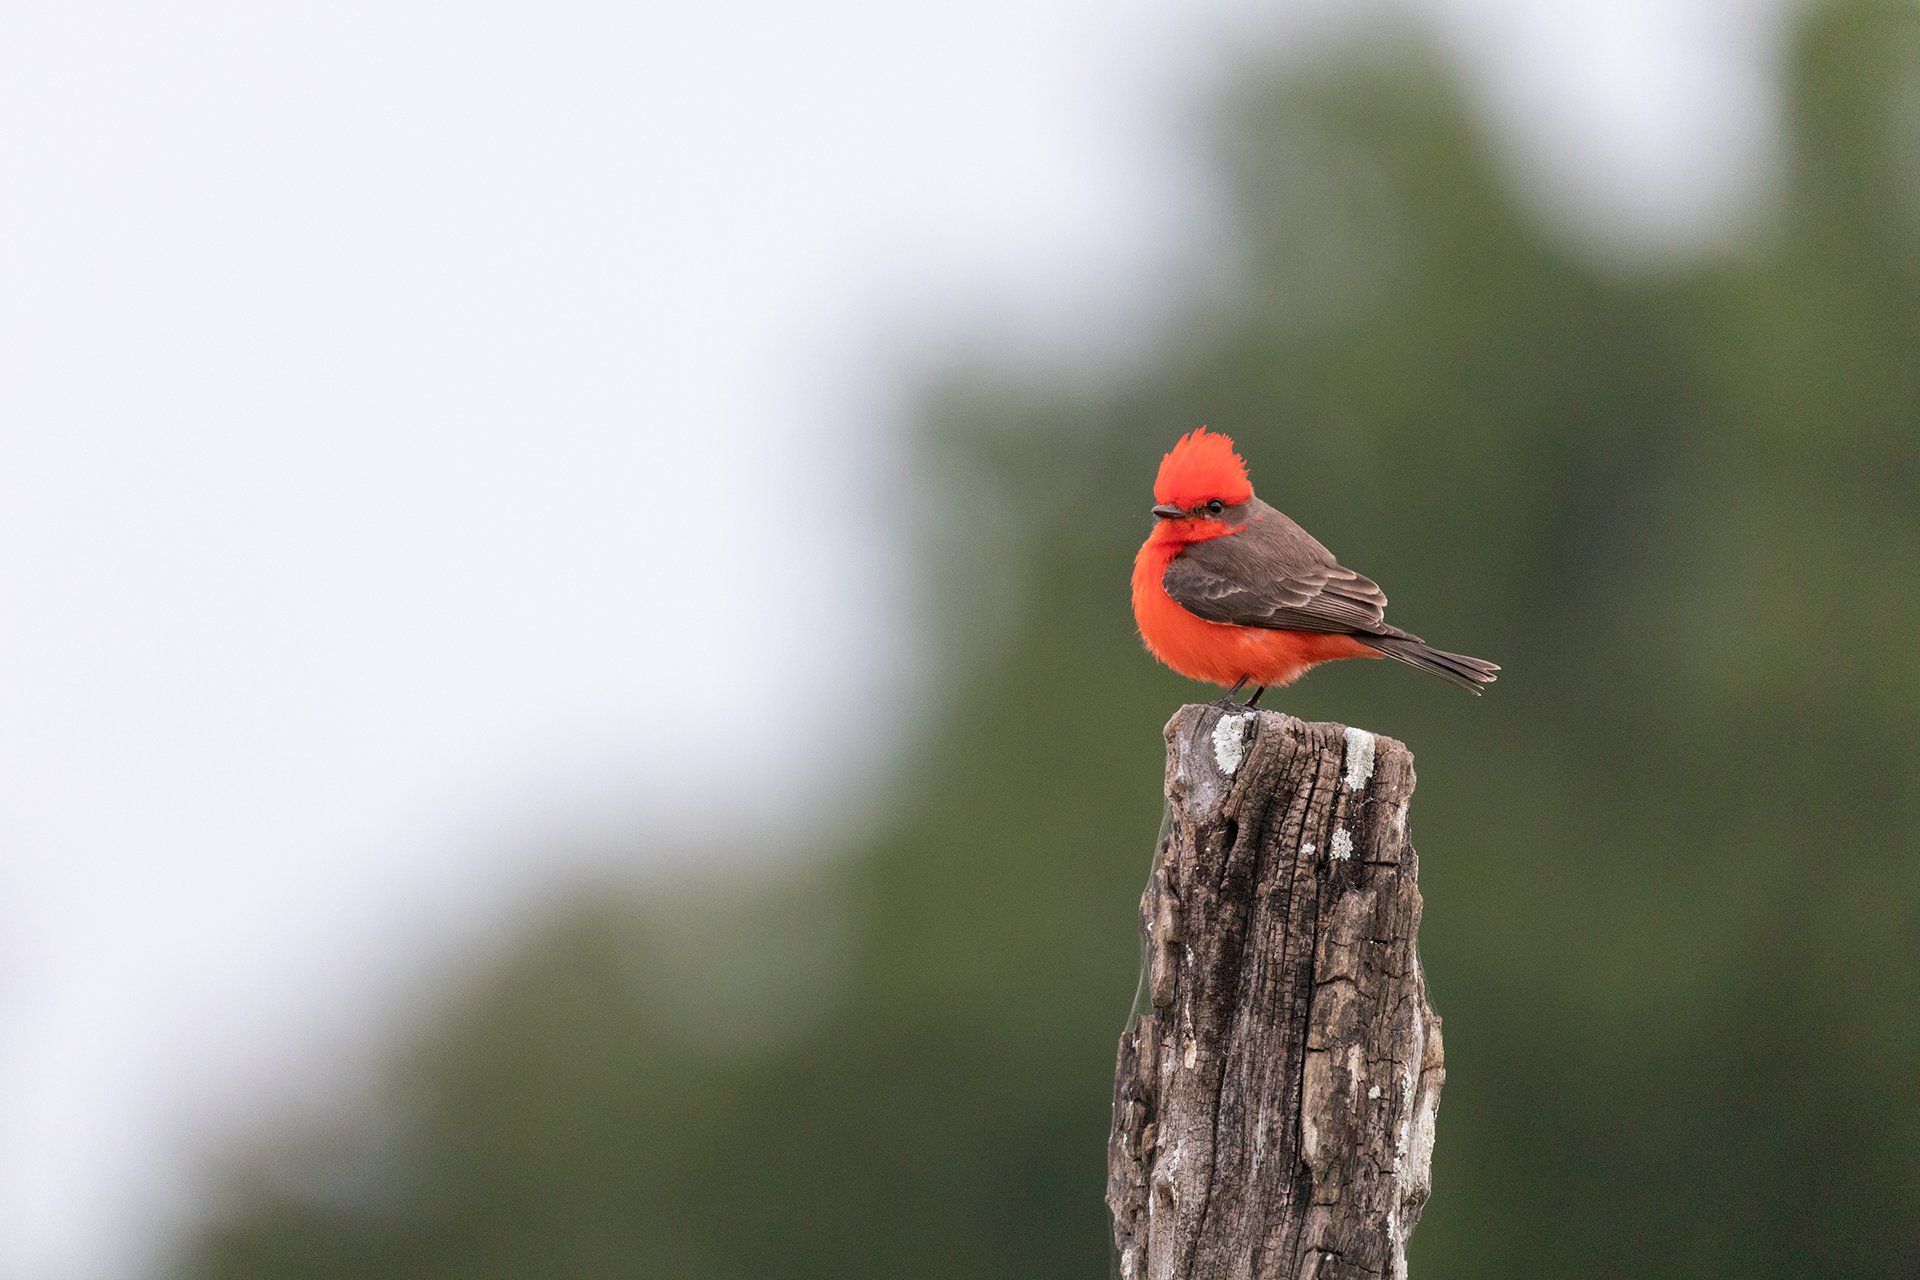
1225, 701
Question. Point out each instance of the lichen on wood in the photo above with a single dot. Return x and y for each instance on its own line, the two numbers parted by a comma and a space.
1274, 1102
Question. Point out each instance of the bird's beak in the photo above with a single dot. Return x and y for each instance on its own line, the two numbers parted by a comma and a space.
1167, 511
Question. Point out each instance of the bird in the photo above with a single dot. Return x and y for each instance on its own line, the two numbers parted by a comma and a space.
1228, 590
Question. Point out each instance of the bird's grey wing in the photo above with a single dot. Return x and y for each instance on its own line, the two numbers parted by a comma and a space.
1275, 575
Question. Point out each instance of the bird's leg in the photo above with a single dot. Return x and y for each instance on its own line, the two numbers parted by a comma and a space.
1254, 701
1226, 699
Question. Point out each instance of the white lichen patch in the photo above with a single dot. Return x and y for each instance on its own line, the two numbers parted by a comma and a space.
1230, 743
1420, 1138
1359, 758
1342, 847
1308, 848
1373, 1091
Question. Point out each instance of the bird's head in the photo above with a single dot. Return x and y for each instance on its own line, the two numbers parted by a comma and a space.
1202, 488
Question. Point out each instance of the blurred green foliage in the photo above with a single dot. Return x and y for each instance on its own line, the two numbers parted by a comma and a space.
1671, 864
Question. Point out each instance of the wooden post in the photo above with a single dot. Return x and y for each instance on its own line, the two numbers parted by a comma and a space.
1274, 1102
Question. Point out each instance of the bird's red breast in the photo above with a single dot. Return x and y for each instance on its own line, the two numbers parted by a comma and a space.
1219, 652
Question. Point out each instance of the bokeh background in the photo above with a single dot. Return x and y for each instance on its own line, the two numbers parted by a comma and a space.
570, 709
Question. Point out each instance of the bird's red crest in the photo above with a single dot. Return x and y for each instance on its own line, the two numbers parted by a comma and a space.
1200, 467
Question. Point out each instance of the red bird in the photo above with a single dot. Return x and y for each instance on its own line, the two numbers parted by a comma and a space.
1228, 590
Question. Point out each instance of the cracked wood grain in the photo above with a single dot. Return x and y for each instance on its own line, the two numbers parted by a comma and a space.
1274, 1101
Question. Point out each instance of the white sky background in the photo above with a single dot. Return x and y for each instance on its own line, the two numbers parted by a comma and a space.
397, 401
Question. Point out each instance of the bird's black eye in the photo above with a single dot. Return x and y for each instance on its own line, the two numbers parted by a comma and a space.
1215, 507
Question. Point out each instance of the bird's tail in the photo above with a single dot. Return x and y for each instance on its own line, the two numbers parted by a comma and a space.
1469, 673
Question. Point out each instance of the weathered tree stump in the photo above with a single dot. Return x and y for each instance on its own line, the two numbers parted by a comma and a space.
1274, 1102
